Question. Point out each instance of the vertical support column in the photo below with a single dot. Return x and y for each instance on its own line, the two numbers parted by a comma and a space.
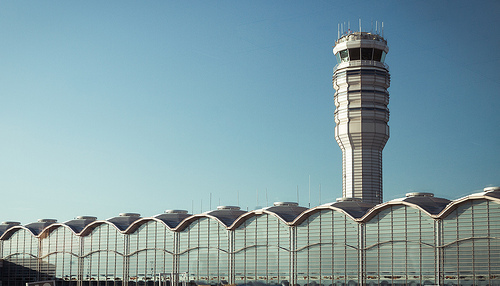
361, 254
126, 259
232, 274
80, 261
438, 251
293, 255
38, 258
175, 261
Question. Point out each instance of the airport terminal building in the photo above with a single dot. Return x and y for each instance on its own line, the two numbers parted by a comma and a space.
357, 240
416, 240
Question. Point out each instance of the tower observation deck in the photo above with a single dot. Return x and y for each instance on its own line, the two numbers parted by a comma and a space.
361, 79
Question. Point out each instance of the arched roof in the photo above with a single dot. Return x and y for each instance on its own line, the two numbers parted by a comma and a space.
124, 220
4, 226
232, 217
351, 208
79, 223
283, 211
172, 218
226, 215
93, 225
9, 232
492, 194
136, 224
425, 202
37, 227
286, 211
223, 215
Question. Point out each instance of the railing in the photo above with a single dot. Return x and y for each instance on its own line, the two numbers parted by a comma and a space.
361, 63
360, 36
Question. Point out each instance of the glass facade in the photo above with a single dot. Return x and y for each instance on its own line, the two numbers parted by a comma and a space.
400, 247
102, 258
402, 242
262, 251
59, 252
471, 244
150, 254
327, 249
20, 257
204, 253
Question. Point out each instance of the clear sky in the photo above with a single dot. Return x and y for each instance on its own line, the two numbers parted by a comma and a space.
142, 106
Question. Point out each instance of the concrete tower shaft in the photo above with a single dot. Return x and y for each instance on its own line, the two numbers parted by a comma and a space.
361, 79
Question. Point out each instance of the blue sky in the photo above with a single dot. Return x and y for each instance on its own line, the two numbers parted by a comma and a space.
142, 106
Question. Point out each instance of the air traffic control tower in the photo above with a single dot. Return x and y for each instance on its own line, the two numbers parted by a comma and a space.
361, 79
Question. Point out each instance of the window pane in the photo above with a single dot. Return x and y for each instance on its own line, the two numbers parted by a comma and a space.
354, 54
377, 55
366, 54
344, 56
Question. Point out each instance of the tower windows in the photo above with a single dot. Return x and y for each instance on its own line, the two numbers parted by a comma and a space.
365, 54
377, 55
354, 54
344, 56
383, 57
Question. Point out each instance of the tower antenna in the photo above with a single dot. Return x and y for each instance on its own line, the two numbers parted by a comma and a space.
360, 25
309, 191
297, 194
267, 202
338, 31
320, 194
382, 29
257, 196
376, 27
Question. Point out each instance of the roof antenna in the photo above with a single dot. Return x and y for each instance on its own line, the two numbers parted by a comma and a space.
320, 194
376, 27
257, 196
382, 29
338, 31
297, 194
267, 202
360, 25
309, 191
